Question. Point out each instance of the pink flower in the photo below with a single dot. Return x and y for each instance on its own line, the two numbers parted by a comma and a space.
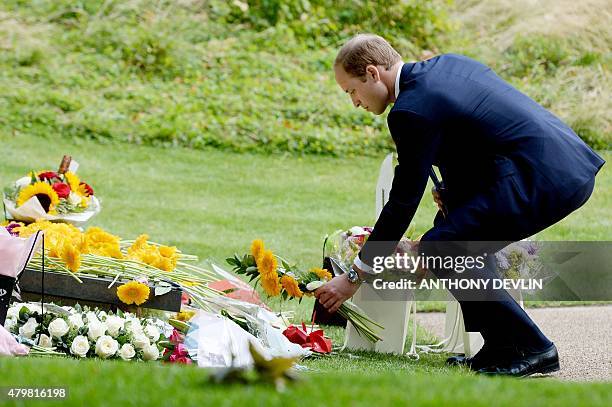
176, 337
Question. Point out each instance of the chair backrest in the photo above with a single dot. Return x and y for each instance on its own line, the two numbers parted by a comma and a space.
383, 186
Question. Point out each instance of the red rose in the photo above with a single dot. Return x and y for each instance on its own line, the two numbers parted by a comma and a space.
47, 175
87, 188
62, 190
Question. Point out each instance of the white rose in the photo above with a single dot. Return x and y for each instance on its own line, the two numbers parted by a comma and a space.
29, 328
9, 324
127, 352
152, 332
13, 312
140, 341
106, 346
76, 321
133, 325
114, 324
74, 198
45, 342
91, 317
150, 352
58, 328
80, 346
96, 330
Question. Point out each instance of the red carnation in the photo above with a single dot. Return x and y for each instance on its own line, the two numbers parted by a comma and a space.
47, 175
62, 190
87, 188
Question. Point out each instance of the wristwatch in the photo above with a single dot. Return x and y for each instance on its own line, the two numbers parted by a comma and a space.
353, 277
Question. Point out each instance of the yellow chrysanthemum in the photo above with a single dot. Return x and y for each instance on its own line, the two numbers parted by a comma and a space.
73, 181
257, 249
322, 273
46, 195
291, 286
133, 292
102, 243
71, 257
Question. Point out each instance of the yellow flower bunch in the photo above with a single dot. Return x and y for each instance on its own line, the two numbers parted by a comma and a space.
322, 273
66, 242
162, 257
268, 276
291, 286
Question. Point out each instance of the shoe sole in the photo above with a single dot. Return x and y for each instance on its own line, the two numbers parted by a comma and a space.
553, 367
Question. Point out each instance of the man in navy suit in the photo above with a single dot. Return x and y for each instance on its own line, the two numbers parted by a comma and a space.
510, 169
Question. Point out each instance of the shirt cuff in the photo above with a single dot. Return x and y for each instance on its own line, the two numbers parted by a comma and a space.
362, 266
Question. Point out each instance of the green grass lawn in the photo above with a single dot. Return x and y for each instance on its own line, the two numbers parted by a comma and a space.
213, 203
94, 382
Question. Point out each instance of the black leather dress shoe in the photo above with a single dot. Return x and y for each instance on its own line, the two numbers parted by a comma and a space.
526, 363
487, 356
457, 360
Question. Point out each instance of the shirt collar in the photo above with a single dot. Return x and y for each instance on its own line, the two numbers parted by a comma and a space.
397, 80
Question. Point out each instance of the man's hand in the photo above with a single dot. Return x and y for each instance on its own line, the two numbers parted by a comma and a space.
335, 292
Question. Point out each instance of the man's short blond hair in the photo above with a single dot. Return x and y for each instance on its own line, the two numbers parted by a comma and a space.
363, 50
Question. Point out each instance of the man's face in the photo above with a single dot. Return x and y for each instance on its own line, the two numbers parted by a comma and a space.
372, 94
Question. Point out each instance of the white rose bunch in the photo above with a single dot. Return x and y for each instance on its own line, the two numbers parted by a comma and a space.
106, 346
80, 346
58, 328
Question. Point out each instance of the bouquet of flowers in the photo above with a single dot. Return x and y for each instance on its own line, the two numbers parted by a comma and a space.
174, 347
85, 333
290, 282
520, 260
98, 252
344, 245
50, 195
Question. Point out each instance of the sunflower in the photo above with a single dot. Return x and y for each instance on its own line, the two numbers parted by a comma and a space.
257, 248
322, 273
73, 180
71, 256
267, 264
270, 284
291, 286
46, 195
133, 293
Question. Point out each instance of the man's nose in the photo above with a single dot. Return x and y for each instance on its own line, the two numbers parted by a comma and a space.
356, 102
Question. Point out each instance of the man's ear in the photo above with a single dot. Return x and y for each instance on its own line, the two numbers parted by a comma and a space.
373, 73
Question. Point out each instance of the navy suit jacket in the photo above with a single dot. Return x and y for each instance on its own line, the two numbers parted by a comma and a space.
457, 114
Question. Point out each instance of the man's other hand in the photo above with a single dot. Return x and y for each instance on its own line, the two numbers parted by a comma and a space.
335, 292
